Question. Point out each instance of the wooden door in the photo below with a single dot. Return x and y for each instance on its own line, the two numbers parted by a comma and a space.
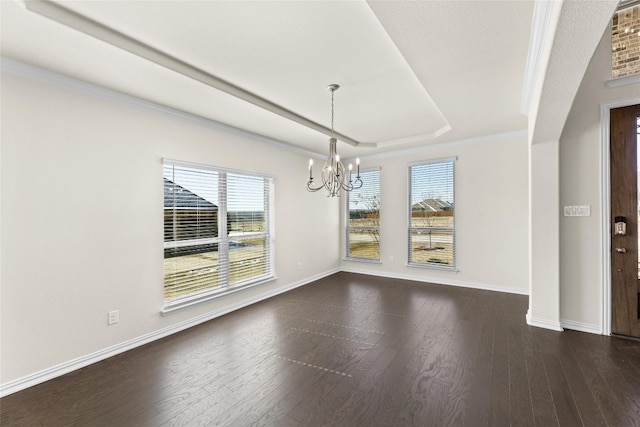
624, 203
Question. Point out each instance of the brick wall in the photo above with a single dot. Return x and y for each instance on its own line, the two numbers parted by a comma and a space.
625, 42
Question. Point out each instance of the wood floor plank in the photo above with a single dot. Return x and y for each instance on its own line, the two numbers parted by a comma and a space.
617, 400
354, 350
364, 399
332, 392
499, 405
563, 401
544, 411
585, 402
477, 403
520, 409
413, 349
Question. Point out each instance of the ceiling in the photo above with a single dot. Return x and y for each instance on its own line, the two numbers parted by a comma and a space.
410, 72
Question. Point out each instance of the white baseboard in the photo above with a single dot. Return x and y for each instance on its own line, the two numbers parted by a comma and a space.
75, 364
581, 326
438, 281
543, 323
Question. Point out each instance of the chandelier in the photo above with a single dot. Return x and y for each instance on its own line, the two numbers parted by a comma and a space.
334, 175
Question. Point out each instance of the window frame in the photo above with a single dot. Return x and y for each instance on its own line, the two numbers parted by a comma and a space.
348, 227
224, 238
410, 228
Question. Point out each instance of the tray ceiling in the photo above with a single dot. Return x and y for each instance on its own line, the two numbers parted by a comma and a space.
411, 73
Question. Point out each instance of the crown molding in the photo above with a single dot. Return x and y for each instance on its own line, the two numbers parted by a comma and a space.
522, 133
414, 138
32, 72
545, 21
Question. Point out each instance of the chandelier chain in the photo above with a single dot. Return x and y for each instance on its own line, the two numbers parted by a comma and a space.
332, 91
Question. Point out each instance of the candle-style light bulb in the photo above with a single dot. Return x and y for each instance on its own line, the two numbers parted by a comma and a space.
358, 166
310, 169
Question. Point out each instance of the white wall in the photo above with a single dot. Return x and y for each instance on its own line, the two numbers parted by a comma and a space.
491, 201
81, 221
544, 234
581, 261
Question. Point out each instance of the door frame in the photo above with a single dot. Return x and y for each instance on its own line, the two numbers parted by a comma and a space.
605, 207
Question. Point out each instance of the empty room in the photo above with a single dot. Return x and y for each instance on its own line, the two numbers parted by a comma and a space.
308, 213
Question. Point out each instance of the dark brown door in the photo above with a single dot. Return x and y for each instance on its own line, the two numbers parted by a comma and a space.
624, 206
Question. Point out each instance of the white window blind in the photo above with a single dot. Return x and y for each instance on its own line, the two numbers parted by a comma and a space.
431, 214
217, 232
363, 222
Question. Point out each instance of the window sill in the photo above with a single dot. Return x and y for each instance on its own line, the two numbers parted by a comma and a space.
623, 81
451, 269
210, 296
365, 260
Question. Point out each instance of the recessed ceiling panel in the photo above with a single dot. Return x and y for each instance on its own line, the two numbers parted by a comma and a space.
288, 52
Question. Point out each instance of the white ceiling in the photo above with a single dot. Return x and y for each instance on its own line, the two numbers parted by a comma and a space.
411, 72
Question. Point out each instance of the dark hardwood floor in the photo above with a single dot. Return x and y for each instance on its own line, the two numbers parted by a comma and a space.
353, 350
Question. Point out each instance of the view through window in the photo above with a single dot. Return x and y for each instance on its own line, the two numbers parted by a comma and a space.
431, 214
217, 231
363, 225
625, 40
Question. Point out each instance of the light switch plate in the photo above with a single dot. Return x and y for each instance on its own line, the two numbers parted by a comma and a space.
583, 210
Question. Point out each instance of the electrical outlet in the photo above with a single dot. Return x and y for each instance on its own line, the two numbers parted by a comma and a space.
113, 317
299, 265
391, 259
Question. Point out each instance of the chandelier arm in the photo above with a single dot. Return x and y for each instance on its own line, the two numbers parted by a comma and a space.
334, 175
313, 189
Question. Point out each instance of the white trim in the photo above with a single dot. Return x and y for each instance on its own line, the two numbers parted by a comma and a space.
80, 362
448, 144
605, 213
543, 28
32, 72
623, 81
438, 281
415, 138
183, 304
434, 266
60, 80
605, 208
431, 161
214, 168
580, 326
626, 4
362, 260
544, 323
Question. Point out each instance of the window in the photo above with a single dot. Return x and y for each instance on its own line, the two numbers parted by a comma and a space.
363, 224
625, 40
217, 232
431, 214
